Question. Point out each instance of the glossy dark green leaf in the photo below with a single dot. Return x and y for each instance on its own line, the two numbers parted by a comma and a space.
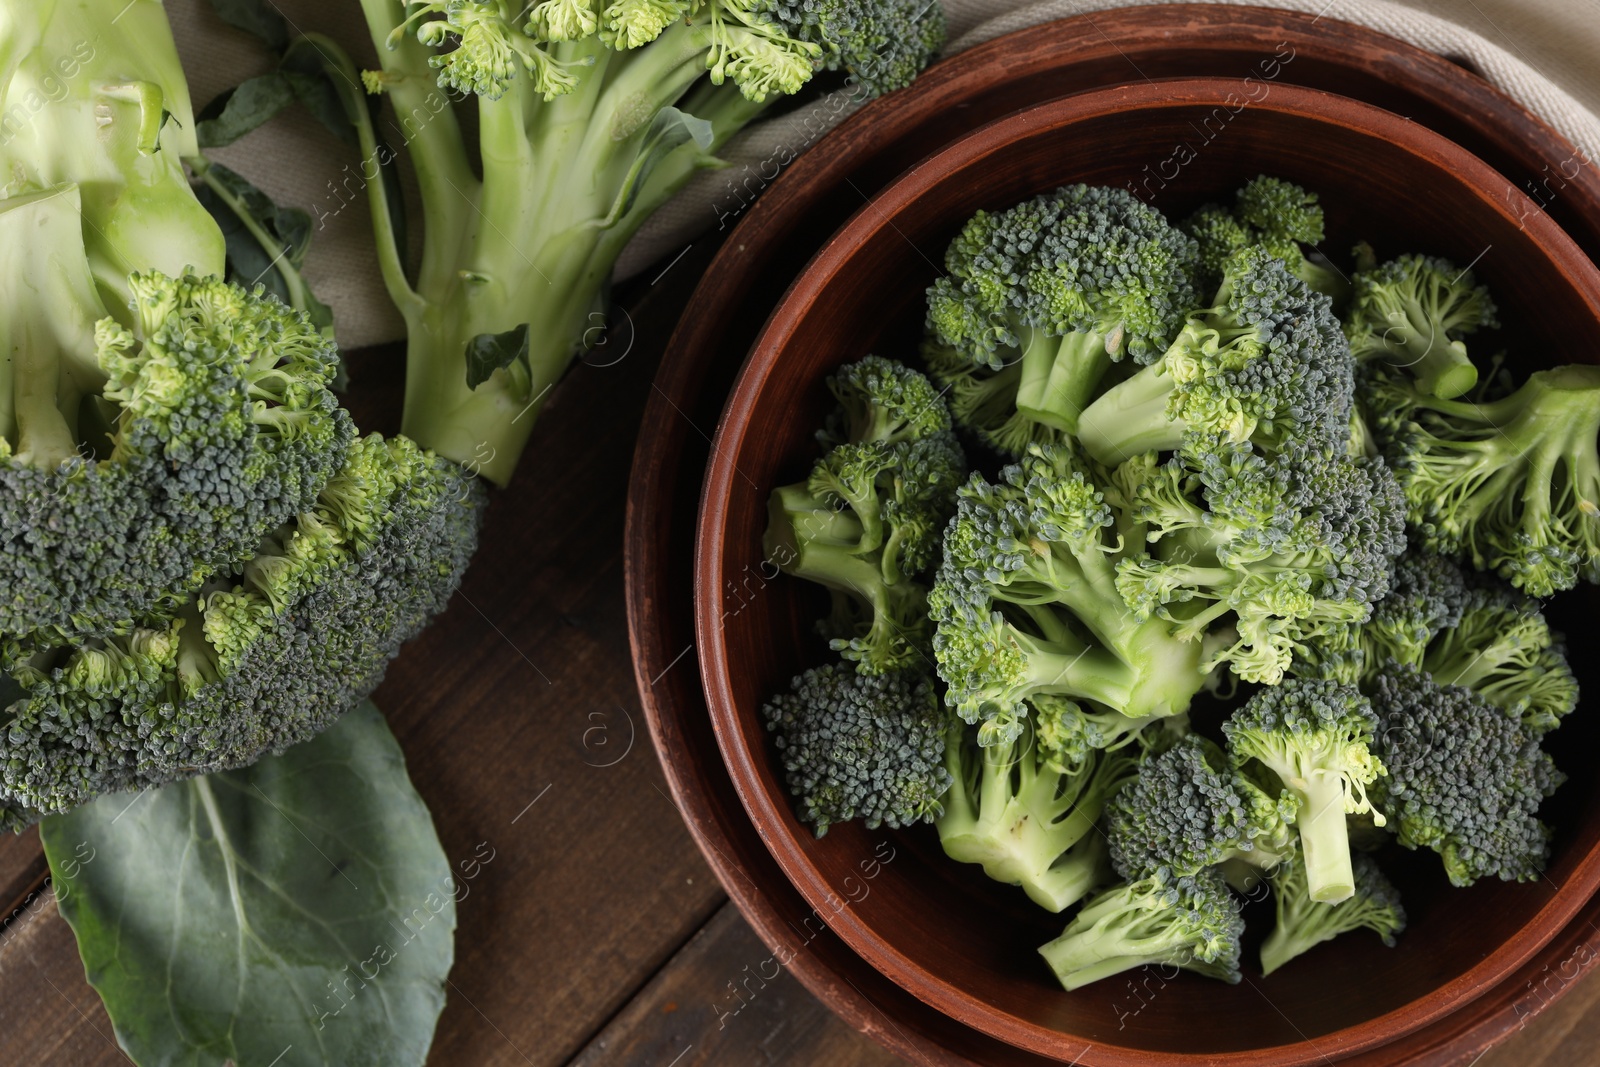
299, 912
489, 352
258, 17
241, 109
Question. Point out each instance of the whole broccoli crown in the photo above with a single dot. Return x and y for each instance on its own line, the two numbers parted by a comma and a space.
1423, 293
883, 44
859, 747
305, 633
227, 427
1183, 812
883, 400
1280, 213
1268, 362
1089, 259
1306, 725
1465, 779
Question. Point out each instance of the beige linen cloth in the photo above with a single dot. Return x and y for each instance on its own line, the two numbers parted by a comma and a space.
1543, 53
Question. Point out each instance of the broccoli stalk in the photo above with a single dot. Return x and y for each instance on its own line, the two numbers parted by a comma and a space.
590, 116
1304, 923
1193, 923
1028, 820
1265, 363
1411, 312
1512, 484
1316, 736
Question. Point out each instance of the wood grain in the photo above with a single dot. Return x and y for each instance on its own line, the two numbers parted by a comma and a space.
724, 1002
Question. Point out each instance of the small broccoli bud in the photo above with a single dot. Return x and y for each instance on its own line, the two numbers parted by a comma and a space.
861, 747
1465, 779
1193, 923
1317, 737
1303, 923
1189, 810
1412, 312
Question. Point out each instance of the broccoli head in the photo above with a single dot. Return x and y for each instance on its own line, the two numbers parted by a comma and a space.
1193, 923
261, 657
137, 463
1317, 737
1038, 301
1464, 779
1026, 603
867, 520
1030, 822
1286, 546
1266, 363
1277, 216
861, 747
1304, 923
1412, 312
1189, 810
1512, 484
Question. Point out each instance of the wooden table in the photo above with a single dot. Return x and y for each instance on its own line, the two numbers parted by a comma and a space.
597, 935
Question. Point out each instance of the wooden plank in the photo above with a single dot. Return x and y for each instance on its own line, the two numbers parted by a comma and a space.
521, 727
48, 1013
1565, 1033
724, 1000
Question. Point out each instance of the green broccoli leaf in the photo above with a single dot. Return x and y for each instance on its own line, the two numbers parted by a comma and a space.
489, 352
237, 111
303, 903
670, 130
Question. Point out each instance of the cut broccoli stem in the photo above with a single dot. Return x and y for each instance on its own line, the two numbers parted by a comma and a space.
1443, 368
1131, 418
1324, 837
1059, 380
1079, 871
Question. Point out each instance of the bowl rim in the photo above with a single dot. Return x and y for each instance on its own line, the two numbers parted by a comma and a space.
772, 814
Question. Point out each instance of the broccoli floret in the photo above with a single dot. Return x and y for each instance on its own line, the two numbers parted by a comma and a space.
1304, 923
1512, 484
1317, 737
1279, 217
1026, 819
1026, 602
867, 520
1193, 923
1412, 312
1464, 779
136, 463
1039, 300
1288, 546
1503, 649
260, 658
1070, 733
589, 116
860, 747
1219, 235
1266, 363
1189, 810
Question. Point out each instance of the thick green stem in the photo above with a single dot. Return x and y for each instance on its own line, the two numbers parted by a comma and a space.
1131, 418
1059, 379
1324, 836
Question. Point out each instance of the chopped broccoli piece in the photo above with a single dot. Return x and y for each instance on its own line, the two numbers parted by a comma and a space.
1512, 484
1317, 737
262, 657
1189, 810
867, 520
1193, 923
136, 463
1266, 363
861, 747
1304, 923
1029, 821
1038, 301
1026, 602
1412, 312
1288, 546
1464, 779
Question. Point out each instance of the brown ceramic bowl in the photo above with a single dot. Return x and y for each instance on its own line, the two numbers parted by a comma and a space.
960, 943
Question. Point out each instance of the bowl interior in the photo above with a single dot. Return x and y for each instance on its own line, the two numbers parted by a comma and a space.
943, 930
